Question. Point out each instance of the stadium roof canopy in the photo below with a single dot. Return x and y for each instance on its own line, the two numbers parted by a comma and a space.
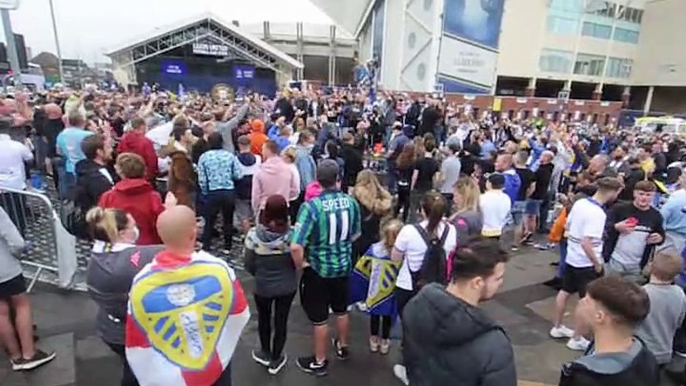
349, 14
204, 27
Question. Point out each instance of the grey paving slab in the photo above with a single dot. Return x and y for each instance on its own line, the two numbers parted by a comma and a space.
542, 362
58, 312
92, 347
62, 370
528, 266
520, 307
13, 378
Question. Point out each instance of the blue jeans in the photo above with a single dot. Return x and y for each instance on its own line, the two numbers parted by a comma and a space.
439, 133
67, 180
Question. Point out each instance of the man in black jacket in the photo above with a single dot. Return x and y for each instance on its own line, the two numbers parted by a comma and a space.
92, 176
353, 161
431, 116
612, 308
447, 339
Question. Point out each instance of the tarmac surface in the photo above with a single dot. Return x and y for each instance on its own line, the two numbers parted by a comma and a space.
65, 323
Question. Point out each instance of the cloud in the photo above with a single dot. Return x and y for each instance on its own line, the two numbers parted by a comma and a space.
87, 28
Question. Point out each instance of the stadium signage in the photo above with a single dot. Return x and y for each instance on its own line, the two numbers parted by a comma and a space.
210, 49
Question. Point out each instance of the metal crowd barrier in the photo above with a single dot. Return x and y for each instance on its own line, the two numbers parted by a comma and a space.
50, 254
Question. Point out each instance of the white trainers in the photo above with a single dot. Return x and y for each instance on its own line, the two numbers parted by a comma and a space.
384, 346
578, 344
400, 372
561, 332
374, 344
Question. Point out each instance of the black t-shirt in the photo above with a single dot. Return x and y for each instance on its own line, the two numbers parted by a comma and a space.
51, 129
527, 177
543, 176
632, 245
427, 168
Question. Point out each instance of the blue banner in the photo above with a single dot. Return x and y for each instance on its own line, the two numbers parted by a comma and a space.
243, 71
174, 68
477, 21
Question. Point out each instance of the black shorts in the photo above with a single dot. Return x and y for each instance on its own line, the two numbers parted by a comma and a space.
318, 294
13, 287
576, 279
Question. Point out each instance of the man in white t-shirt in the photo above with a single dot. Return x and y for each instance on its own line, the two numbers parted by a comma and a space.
584, 263
495, 207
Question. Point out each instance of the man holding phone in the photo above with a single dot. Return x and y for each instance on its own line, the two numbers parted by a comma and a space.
633, 230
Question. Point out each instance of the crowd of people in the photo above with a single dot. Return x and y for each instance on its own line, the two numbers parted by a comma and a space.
408, 208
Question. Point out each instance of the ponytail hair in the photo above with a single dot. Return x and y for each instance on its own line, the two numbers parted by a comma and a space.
105, 224
435, 206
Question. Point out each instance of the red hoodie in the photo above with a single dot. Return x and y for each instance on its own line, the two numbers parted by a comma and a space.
137, 143
137, 197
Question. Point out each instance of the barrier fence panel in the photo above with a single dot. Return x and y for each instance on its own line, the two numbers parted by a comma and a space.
50, 253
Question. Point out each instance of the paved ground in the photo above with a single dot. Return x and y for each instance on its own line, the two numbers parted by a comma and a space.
65, 322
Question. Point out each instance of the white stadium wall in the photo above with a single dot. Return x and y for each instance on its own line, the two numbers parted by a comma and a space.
419, 44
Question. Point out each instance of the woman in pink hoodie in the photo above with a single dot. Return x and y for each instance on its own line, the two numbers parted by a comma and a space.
274, 177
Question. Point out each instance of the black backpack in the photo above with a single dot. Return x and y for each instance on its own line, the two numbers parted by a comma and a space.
434, 267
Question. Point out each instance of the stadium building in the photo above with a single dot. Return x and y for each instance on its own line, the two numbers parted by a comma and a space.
621, 52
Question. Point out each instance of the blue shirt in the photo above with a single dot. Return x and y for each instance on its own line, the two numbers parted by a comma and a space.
512, 184
69, 146
217, 170
674, 213
282, 143
486, 149
273, 132
306, 166
397, 144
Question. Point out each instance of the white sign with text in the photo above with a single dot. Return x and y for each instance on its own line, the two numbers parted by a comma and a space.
210, 49
465, 61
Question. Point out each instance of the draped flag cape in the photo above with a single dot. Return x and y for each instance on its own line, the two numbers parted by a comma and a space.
373, 282
185, 317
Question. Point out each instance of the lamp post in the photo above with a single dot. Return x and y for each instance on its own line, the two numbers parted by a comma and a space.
57, 41
5, 7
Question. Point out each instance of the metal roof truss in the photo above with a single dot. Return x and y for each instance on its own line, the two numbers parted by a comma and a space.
198, 32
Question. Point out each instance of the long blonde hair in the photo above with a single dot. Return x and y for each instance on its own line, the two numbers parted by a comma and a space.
369, 192
389, 233
469, 192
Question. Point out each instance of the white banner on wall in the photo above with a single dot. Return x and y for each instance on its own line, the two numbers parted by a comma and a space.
210, 49
468, 62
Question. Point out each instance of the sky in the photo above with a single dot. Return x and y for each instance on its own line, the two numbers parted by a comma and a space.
88, 28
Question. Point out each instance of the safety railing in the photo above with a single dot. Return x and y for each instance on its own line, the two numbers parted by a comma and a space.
50, 254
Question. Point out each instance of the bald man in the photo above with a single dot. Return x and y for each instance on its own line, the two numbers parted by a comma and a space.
186, 311
503, 164
177, 229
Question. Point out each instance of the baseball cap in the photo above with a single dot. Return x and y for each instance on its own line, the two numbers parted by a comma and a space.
327, 172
